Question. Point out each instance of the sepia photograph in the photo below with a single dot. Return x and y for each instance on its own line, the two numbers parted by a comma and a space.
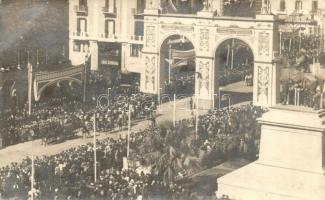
162, 100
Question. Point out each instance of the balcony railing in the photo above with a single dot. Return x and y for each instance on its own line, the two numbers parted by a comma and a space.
137, 11
80, 33
136, 38
82, 9
109, 36
109, 11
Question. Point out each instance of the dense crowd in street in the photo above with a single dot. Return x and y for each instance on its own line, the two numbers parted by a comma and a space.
61, 116
46, 119
70, 174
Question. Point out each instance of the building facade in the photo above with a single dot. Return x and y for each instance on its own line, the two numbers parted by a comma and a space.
106, 30
128, 36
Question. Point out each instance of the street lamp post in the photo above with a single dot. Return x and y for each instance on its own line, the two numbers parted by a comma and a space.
95, 150
219, 95
197, 117
84, 83
159, 98
280, 42
169, 62
108, 96
174, 111
32, 174
129, 132
229, 100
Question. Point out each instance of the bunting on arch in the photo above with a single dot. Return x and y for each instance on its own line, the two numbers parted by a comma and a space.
42, 80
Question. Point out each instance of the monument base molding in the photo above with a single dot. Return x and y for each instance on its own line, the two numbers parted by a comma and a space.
291, 159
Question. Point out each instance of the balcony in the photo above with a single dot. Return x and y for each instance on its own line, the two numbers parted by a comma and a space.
137, 11
109, 36
81, 9
79, 34
136, 38
109, 11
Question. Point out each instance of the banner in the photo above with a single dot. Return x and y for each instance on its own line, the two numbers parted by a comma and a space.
179, 63
178, 54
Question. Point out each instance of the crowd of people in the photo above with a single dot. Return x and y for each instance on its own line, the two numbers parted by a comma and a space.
181, 83
300, 51
62, 115
70, 174
301, 94
47, 119
232, 132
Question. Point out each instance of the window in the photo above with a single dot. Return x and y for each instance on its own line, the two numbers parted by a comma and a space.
76, 46
298, 5
110, 6
314, 6
282, 5
80, 46
140, 6
135, 50
109, 27
82, 25
83, 5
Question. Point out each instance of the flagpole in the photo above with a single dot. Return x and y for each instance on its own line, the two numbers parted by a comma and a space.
84, 84
95, 150
108, 96
197, 117
129, 131
159, 97
232, 53
174, 111
30, 81
18, 58
169, 63
37, 61
32, 176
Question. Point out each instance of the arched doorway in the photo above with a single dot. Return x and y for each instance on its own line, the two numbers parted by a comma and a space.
234, 64
177, 66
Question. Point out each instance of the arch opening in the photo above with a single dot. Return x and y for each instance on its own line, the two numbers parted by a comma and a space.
177, 66
69, 89
234, 72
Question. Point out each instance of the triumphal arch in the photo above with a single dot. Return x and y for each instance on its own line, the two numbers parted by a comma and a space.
206, 32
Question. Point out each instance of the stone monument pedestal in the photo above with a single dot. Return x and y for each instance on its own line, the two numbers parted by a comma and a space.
291, 160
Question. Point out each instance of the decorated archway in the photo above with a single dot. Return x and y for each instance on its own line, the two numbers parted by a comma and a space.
207, 33
39, 81
58, 82
43, 80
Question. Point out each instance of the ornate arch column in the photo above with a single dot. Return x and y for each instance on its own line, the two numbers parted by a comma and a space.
204, 79
149, 82
266, 73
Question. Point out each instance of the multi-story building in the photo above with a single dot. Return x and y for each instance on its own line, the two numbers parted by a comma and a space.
109, 31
